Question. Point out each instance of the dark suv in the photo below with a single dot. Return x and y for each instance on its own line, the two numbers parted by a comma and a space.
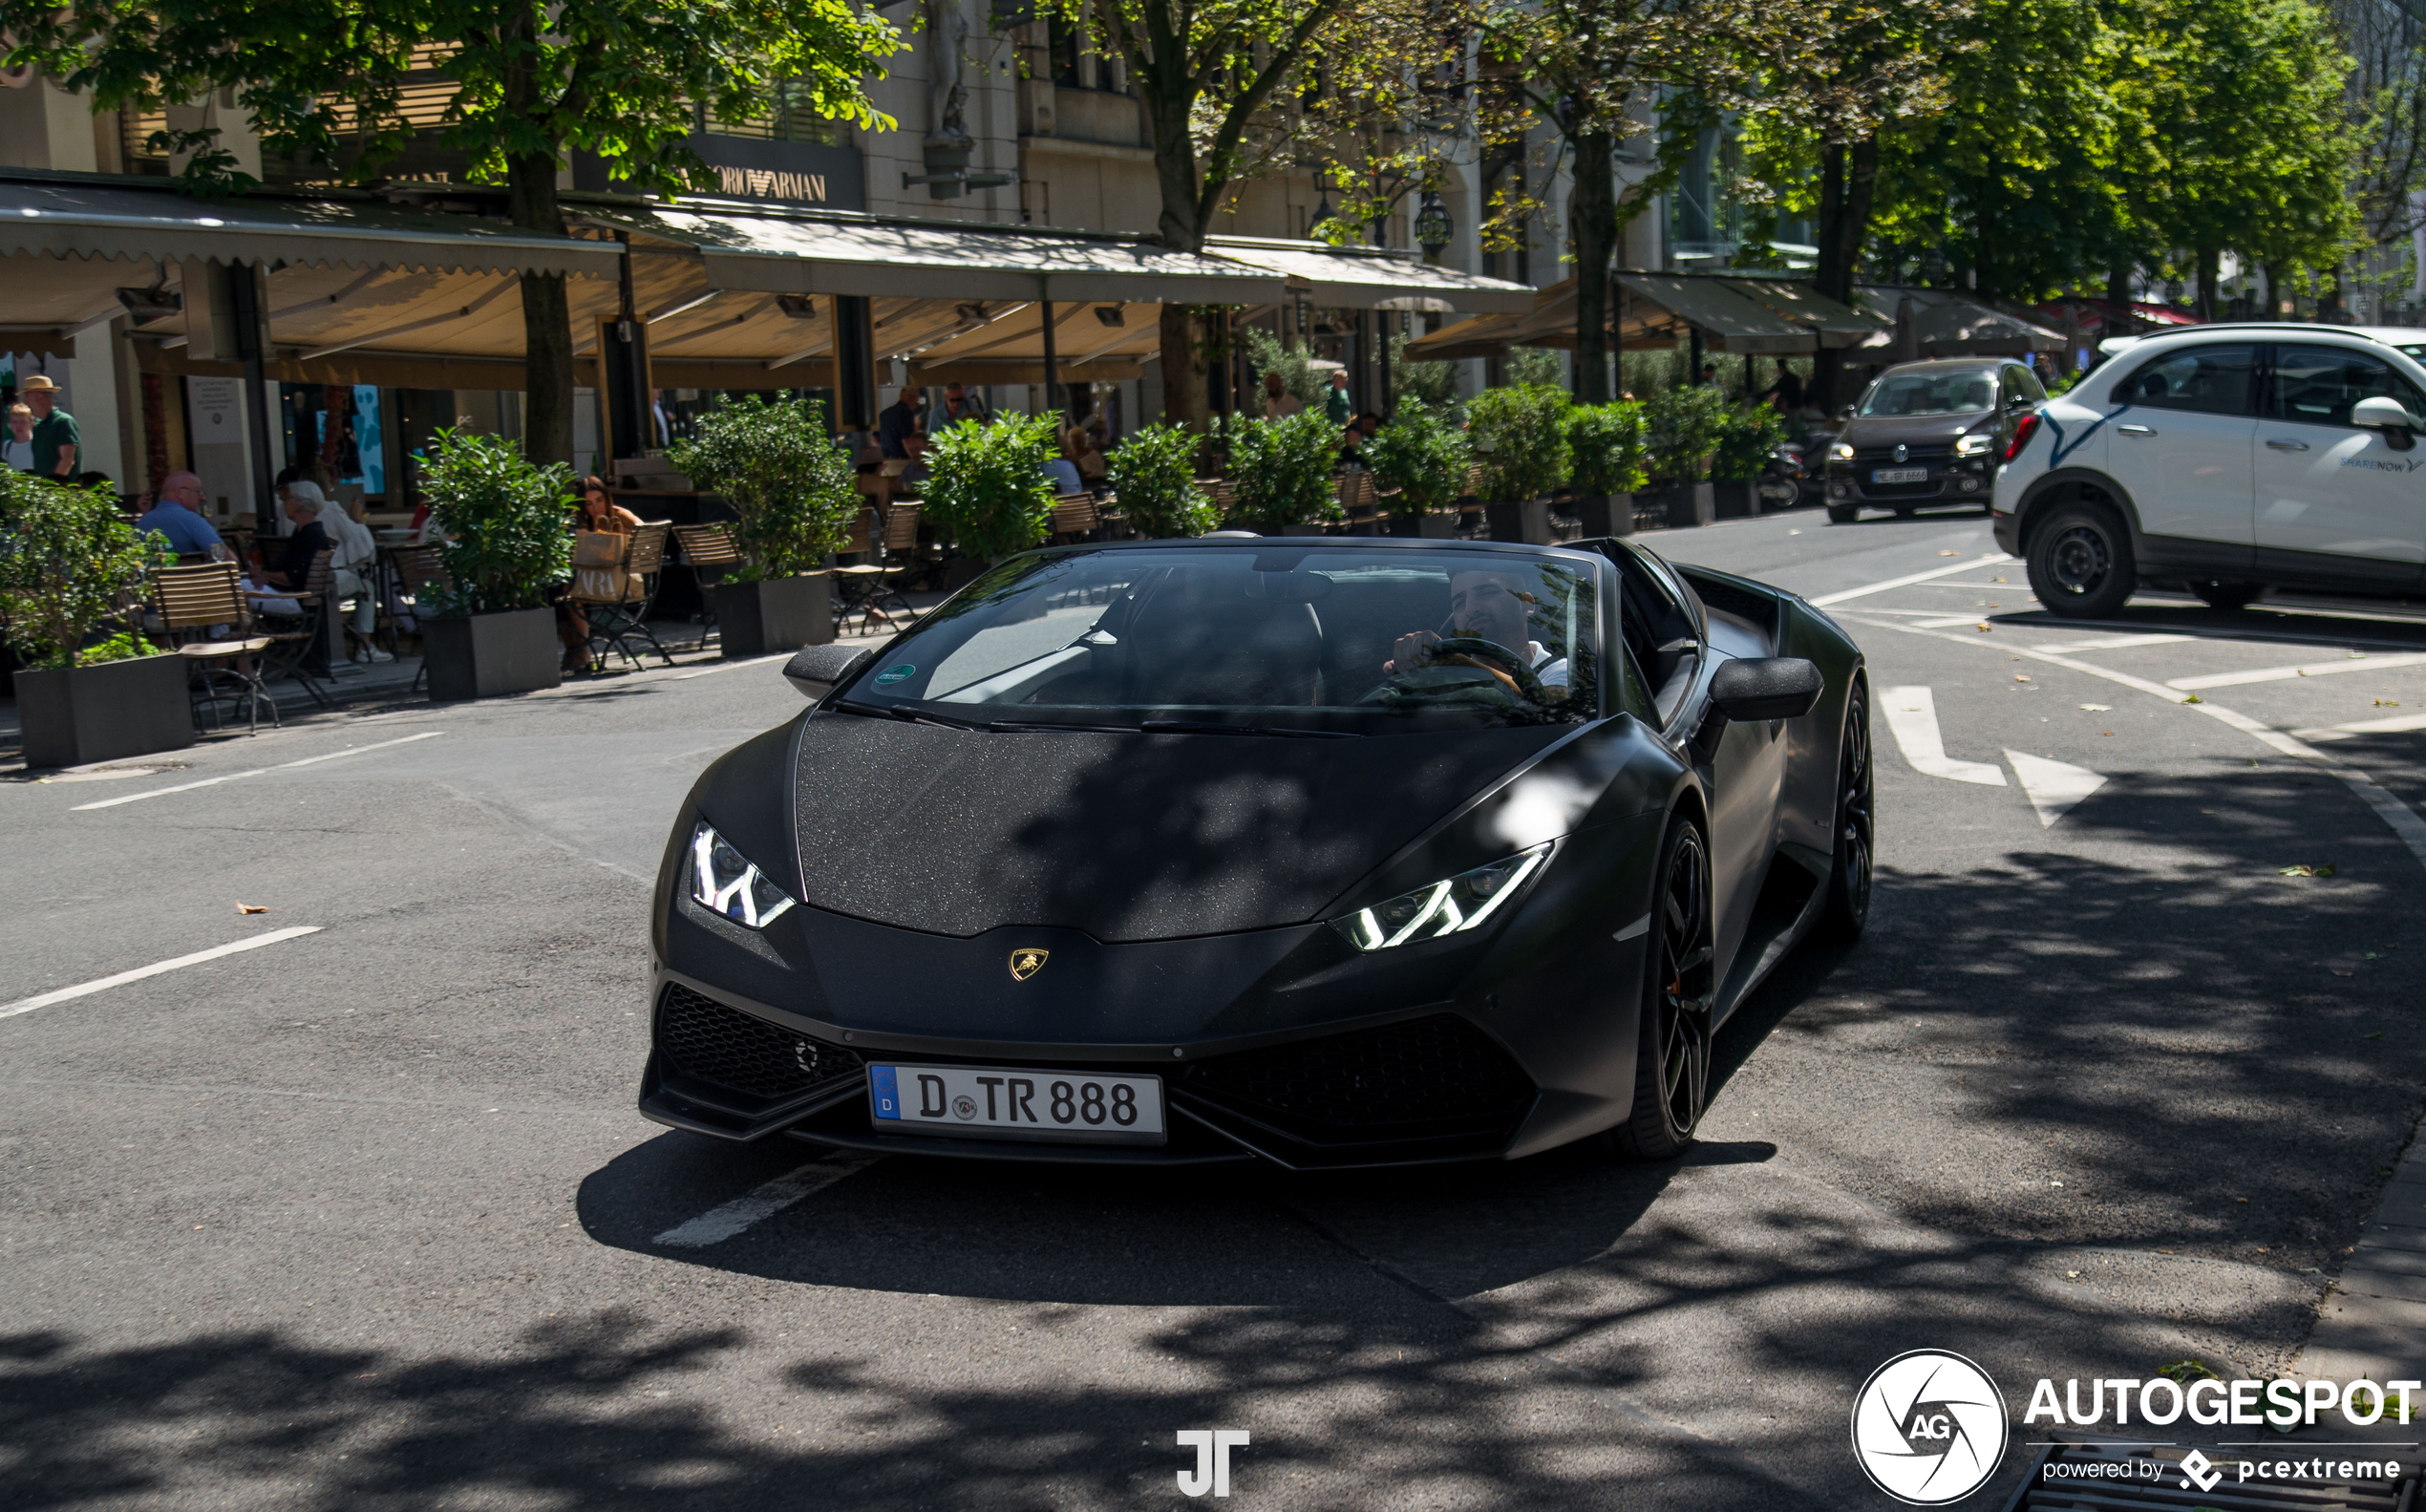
1927, 434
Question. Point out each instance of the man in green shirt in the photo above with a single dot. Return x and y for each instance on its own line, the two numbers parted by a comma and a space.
1336, 407
56, 439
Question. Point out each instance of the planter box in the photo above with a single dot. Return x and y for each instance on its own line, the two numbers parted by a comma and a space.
779, 614
962, 571
1685, 505
1524, 519
1304, 528
1437, 525
73, 715
491, 656
1737, 501
1605, 514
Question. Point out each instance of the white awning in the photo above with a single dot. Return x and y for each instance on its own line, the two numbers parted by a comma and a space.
840, 252
1374, 277
115, 218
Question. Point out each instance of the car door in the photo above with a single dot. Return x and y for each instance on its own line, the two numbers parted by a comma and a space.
2182, 428
2337, 506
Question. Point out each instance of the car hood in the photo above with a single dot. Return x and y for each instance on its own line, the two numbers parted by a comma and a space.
1882, 430
1127, 837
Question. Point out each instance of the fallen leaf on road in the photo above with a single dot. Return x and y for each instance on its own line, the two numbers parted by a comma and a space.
2105, 732
1949, 553
2387, 703
2305, 870
252, 907
1983, 624
2099, 708
2019, 678
2000, 580
2194, 698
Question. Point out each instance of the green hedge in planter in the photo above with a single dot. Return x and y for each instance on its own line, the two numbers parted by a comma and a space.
1681, 427
1418, 459
1520, 434
1280, 471
1745, 440
791, 486
1154, 474
503, 517
1608, 445
68, 566
986, 486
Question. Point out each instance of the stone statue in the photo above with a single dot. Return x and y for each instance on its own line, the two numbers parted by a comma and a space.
947, 93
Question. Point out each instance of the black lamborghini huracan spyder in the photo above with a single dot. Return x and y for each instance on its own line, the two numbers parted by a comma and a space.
1333, 850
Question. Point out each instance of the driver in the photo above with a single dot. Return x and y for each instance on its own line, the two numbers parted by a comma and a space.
1490, 605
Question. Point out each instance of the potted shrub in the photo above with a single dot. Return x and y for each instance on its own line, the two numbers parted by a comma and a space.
490, 632
794, 498
1681, 427
1608, 442
1521, 432
986, 488
1280, 473
69, 567
1746, 438
1418, 462
1153, 473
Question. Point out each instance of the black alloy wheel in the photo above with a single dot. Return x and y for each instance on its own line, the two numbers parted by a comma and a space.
2219, 595
1847, 907
2080, 562
1671, 1064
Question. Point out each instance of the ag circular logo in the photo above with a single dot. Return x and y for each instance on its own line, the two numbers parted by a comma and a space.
1928, 1427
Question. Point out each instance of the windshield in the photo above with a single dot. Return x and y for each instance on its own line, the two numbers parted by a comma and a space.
1931, 394
1273, 638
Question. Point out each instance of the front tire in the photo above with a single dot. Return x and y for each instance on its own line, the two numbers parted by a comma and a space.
1847, 907
2080, 562
1672, 1058
2217, 595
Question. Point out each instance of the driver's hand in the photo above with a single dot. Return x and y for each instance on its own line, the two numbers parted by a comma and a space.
1411, 651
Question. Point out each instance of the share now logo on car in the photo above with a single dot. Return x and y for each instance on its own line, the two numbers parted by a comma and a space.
1213, 1446
1928, 1427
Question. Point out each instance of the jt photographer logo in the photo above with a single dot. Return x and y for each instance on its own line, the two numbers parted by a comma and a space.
1929, 1427
1213, 1446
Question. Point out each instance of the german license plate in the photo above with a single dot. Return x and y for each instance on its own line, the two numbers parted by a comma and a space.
1898, 474
997, 1102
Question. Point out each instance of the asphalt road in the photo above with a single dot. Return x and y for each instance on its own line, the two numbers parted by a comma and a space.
364, 1218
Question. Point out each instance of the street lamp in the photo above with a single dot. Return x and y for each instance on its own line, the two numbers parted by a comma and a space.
1432, 226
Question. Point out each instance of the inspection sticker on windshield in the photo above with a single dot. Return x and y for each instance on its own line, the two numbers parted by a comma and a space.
895, 675
1898, 474
998, 1102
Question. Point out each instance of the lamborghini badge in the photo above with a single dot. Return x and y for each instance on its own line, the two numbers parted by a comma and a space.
1025, 964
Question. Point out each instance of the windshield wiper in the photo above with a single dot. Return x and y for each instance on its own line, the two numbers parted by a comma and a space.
905, 715
1195, 727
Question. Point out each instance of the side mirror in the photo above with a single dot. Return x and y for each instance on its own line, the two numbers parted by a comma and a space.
2378, 413
816, 670
1752, 688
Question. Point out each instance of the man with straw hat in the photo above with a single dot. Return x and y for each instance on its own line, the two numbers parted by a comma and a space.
56, 439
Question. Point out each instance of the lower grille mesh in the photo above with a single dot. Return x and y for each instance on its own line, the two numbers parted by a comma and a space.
702, 1040
1438, 1074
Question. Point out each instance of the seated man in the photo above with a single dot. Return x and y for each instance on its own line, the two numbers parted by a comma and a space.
176, 517
1490, 605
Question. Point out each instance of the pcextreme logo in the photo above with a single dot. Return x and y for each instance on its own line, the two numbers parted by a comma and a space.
1928, 1427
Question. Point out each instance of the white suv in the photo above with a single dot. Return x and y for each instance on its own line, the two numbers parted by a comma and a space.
2228, 459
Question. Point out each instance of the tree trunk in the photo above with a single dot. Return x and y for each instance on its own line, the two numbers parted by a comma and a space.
547, 335
2211, 274
1182, 230
1592, 207
2119, 298
1848, 185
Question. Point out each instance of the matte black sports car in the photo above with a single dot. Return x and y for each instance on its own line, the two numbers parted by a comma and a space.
1336, 851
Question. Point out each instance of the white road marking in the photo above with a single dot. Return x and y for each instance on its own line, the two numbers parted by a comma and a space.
2402, 820
1946, 622
1847, 595
2283, 674
722, 1222
1635, 931
2115, 642
210, 782
27, 1005
2363, 727
1912, 714
2053, 786
710, 671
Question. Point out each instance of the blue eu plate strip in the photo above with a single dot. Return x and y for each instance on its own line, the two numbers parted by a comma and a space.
888, 1101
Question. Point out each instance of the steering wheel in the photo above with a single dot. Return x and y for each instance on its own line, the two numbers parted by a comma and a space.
1492, 657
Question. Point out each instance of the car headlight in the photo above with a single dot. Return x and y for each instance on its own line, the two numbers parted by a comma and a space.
723, 882
1459, 904
1976, 444
1840, 452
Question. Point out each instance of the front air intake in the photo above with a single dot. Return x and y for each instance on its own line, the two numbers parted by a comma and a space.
1427, 1078
720, 1051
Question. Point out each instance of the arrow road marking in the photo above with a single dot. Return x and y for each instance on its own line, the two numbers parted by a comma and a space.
1912, 714
722, 1222
2054, 786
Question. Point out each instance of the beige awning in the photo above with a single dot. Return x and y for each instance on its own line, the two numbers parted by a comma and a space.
1836, 325
1372, 277
1948, 324
1729, 321
840, 252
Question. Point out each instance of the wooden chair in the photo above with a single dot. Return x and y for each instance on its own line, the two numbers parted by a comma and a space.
872, 590
711, 552
616, 597
416, 568
299, 639
193, 602
1077, 517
